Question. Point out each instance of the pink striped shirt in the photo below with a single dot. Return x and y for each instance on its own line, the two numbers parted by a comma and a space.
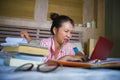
67, 49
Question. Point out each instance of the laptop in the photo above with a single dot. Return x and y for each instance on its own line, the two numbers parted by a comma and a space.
102, 49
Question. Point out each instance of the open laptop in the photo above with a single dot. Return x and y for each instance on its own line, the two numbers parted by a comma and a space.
102, 49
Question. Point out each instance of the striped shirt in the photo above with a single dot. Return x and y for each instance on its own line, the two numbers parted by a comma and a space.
67, 49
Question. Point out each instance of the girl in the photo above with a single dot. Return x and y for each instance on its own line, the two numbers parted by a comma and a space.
58, 45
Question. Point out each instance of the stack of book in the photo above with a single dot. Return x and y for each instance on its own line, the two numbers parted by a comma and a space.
25, 54
20, 59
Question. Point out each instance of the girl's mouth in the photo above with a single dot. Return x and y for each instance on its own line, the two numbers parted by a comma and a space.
66, 40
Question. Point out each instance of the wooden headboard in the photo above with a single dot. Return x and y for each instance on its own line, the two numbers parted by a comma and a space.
34, 32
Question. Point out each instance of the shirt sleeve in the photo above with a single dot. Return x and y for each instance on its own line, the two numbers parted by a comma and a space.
69, 49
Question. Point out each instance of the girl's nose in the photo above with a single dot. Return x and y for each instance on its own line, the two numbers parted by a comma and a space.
69, 35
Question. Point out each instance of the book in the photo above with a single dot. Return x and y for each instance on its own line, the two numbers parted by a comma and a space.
18, 59
28, 57
16, 62
72, 64
89, 65
27, 49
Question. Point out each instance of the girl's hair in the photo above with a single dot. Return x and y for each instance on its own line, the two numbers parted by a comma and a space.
58, 20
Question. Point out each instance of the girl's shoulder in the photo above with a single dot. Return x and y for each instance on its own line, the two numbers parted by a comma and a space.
45, 42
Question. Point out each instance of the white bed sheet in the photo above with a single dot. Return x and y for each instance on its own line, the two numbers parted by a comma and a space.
62, 73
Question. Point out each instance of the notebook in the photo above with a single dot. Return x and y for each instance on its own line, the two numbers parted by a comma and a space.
102, 49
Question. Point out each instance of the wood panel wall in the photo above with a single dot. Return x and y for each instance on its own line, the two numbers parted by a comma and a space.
71, 8
17, 8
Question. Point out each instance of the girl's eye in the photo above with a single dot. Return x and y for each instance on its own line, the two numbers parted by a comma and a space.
66, 30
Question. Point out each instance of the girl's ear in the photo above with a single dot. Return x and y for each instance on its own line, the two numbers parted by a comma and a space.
54, 30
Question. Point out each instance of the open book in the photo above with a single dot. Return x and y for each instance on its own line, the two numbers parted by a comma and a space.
101, 64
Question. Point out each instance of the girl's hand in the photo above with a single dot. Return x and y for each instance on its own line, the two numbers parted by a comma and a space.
74, 58
24, 34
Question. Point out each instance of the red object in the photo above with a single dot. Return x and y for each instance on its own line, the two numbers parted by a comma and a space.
102, 49
72, 64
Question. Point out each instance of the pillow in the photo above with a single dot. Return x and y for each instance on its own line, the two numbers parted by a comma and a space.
78, 45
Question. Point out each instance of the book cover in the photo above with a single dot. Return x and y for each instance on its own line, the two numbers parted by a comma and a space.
33, 50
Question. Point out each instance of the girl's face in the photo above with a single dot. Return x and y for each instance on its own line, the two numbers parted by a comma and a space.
63, 34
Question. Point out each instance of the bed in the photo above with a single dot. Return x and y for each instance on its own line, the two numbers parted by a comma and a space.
62, 73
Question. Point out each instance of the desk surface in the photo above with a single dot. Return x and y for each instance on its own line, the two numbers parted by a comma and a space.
62, 73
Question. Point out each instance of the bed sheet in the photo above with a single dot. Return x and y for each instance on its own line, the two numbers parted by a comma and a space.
62, 73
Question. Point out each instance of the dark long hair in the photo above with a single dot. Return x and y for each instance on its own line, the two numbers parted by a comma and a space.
58, 20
